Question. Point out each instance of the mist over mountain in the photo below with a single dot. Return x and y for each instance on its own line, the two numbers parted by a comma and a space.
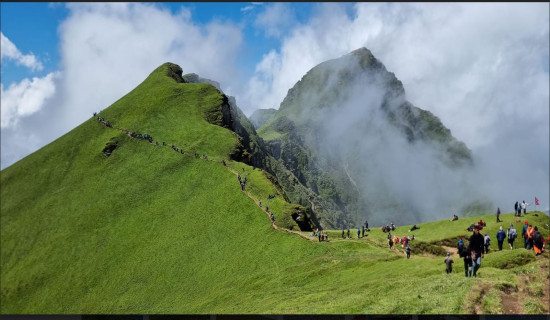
347, 132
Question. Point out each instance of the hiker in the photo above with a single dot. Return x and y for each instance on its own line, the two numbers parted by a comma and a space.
498, 215
406, 241
326, 236
449, 263
408, 251
460, 244
468, 266
358, 233
319, 235
538, 242
516, 209
414, 227
392, 226
471, 227
454, 218
343, 237
363, 235
523, 233
530, 232
486, 243
500, 238
348, 234
272, 218
476, 247
367, 225
524, 207
512, 235
391, 243
481, 224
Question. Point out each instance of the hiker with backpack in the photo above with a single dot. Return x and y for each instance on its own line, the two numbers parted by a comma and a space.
500, 238
408, 251
476, 247
449, 263
390, 243
512, 235
460, 244
538, 242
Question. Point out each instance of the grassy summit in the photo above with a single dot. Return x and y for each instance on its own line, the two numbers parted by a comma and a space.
150, 230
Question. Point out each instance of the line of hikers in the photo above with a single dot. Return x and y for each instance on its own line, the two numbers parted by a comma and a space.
147, 137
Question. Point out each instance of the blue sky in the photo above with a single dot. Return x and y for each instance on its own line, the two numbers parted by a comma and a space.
482, 68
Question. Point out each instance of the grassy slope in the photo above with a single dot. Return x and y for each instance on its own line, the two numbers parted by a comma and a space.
148, 230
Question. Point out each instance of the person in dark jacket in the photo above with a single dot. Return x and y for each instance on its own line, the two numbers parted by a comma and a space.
516, 210
476, 246
498, 215
501, 235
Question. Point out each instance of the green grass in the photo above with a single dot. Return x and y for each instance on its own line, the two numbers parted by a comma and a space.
151, 231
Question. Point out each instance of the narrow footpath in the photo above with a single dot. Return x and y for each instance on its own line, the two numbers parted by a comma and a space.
127, 132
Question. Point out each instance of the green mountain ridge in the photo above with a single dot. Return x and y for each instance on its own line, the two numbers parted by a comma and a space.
151, 230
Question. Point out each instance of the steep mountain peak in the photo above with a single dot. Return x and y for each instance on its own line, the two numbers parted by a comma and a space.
173, 71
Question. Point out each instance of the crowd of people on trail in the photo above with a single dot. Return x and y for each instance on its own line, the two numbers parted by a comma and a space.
323, 236
388, 228
479, 244
242, 182
102, 120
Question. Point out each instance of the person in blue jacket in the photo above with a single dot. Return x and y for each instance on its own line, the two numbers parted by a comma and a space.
501, 235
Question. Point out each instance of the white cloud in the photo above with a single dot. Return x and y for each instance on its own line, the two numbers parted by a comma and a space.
25, 98
10, 51
249, 8
276, 19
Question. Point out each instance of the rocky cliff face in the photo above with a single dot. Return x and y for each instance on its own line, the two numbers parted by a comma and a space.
340, 128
